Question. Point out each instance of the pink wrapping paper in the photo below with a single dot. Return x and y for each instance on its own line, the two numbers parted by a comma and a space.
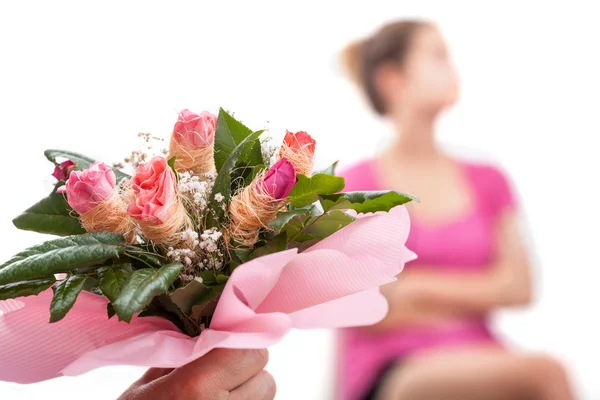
330, 285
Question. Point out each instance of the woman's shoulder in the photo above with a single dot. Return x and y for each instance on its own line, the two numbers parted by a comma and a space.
358, 176
355, 169
492, 181
485, 171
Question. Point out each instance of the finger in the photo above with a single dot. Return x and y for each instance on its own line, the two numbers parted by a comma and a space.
260, 387
154, 373
224, 368
146, 384
151, 375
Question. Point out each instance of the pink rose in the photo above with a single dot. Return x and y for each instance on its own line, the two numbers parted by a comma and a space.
195, 130
279, 179
63, 170
154, 186
90, 187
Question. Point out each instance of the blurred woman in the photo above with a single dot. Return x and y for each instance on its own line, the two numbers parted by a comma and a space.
435, 342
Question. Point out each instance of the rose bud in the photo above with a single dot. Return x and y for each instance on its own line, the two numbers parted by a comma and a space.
299, 149
279, 180
63, 170
192, 142
92, 194
258, 203
156, 206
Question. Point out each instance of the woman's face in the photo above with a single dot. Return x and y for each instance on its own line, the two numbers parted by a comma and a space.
428, 79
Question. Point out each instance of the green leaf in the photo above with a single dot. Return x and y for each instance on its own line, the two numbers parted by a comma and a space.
240, 256
221, 279
329, 170
110, 310
205, 306
51, 215
193, 298
229, 134
294, 229
365, 202
243, 174
285, 217
65, 294
171, 164
189, 295
81, 161
62, 255
302, 214
112, 281
305, 230
142, 286
208, 277
144, 255
275, 244
162, 306
91, 283
58, 185
307, 190
222, 183
209, 295
328, 224
25, 288
301, 246
254, 172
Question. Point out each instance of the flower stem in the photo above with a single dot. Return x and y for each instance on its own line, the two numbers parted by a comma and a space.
139, 259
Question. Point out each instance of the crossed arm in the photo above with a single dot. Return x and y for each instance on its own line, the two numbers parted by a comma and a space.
428, 296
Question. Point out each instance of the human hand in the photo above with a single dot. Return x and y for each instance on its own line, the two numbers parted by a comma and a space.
220, 374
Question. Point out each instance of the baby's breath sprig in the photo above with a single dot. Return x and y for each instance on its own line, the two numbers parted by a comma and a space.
149, 146
198, 252
268, 149
197, 191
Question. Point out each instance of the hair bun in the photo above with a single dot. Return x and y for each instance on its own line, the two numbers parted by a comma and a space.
352, 60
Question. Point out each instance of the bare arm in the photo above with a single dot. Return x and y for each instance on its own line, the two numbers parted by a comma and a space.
429, 296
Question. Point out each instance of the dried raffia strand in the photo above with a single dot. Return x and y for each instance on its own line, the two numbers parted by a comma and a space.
198, 161
226, 236
110, 215
249, 210
299, 159
169, 232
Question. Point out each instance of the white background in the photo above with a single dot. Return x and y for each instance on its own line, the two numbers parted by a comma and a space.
88, 76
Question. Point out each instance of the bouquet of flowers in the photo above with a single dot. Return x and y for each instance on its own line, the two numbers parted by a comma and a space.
219, 240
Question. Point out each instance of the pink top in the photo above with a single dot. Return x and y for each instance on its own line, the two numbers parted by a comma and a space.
466, 243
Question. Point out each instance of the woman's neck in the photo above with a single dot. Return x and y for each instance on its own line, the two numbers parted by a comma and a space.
415, 139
